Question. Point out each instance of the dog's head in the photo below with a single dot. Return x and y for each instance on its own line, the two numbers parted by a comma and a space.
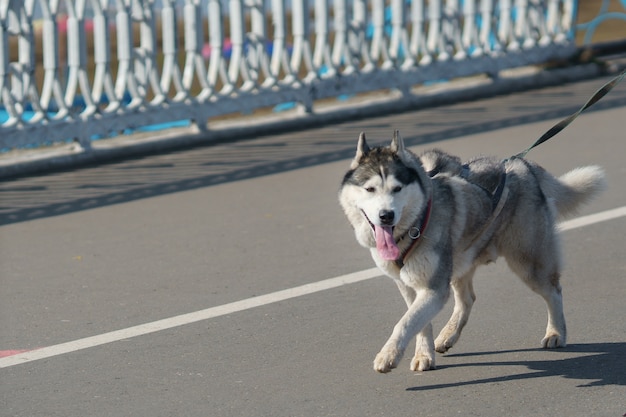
383, 194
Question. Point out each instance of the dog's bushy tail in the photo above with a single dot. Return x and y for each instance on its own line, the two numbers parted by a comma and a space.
574, 188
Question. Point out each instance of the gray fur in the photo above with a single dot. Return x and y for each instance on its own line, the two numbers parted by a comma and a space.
463, 233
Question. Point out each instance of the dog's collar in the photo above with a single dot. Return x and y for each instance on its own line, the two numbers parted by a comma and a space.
415, 233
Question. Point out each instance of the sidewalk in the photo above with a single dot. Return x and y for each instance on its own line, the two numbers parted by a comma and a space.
26, 162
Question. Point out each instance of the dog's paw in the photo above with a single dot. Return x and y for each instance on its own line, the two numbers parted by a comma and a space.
552, 341
442, 345
446, 339
421, 362
386, 360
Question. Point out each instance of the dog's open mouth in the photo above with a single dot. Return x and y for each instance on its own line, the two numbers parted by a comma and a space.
385, 243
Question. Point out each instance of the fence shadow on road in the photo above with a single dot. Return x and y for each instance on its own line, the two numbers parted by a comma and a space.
29, 198
598, 363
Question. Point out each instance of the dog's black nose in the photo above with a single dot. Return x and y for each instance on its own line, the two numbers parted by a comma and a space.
386, 216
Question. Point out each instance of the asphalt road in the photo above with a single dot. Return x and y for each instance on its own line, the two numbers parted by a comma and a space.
213, 237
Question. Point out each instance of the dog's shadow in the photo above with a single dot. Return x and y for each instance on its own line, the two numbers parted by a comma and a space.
598, 363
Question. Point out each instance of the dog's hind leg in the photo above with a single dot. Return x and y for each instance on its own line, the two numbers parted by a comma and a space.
556, 332
543, 276
464, 298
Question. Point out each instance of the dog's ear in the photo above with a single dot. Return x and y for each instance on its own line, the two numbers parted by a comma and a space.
397, 144
406, 156
362, 149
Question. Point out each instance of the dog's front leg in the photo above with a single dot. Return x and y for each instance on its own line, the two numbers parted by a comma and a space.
424, 358
426, 304
464, 298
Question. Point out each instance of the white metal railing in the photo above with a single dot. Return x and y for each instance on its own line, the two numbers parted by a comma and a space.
84, 69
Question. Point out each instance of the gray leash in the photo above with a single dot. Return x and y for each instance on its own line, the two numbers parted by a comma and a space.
604, 90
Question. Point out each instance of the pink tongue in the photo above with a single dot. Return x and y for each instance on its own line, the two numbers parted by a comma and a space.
385, 244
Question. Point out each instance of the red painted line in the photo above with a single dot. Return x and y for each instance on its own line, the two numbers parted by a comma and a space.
5, 353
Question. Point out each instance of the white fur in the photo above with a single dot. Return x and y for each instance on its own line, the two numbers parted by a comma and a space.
461, 235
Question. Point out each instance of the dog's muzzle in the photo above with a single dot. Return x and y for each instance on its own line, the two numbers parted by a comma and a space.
386, 217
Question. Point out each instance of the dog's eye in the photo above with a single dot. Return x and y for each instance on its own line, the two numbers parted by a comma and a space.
370, 189
396, 189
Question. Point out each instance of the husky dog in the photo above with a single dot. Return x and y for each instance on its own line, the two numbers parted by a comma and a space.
430, 221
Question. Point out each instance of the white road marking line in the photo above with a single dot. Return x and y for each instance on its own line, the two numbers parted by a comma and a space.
188, 318
593, 218
183, 319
